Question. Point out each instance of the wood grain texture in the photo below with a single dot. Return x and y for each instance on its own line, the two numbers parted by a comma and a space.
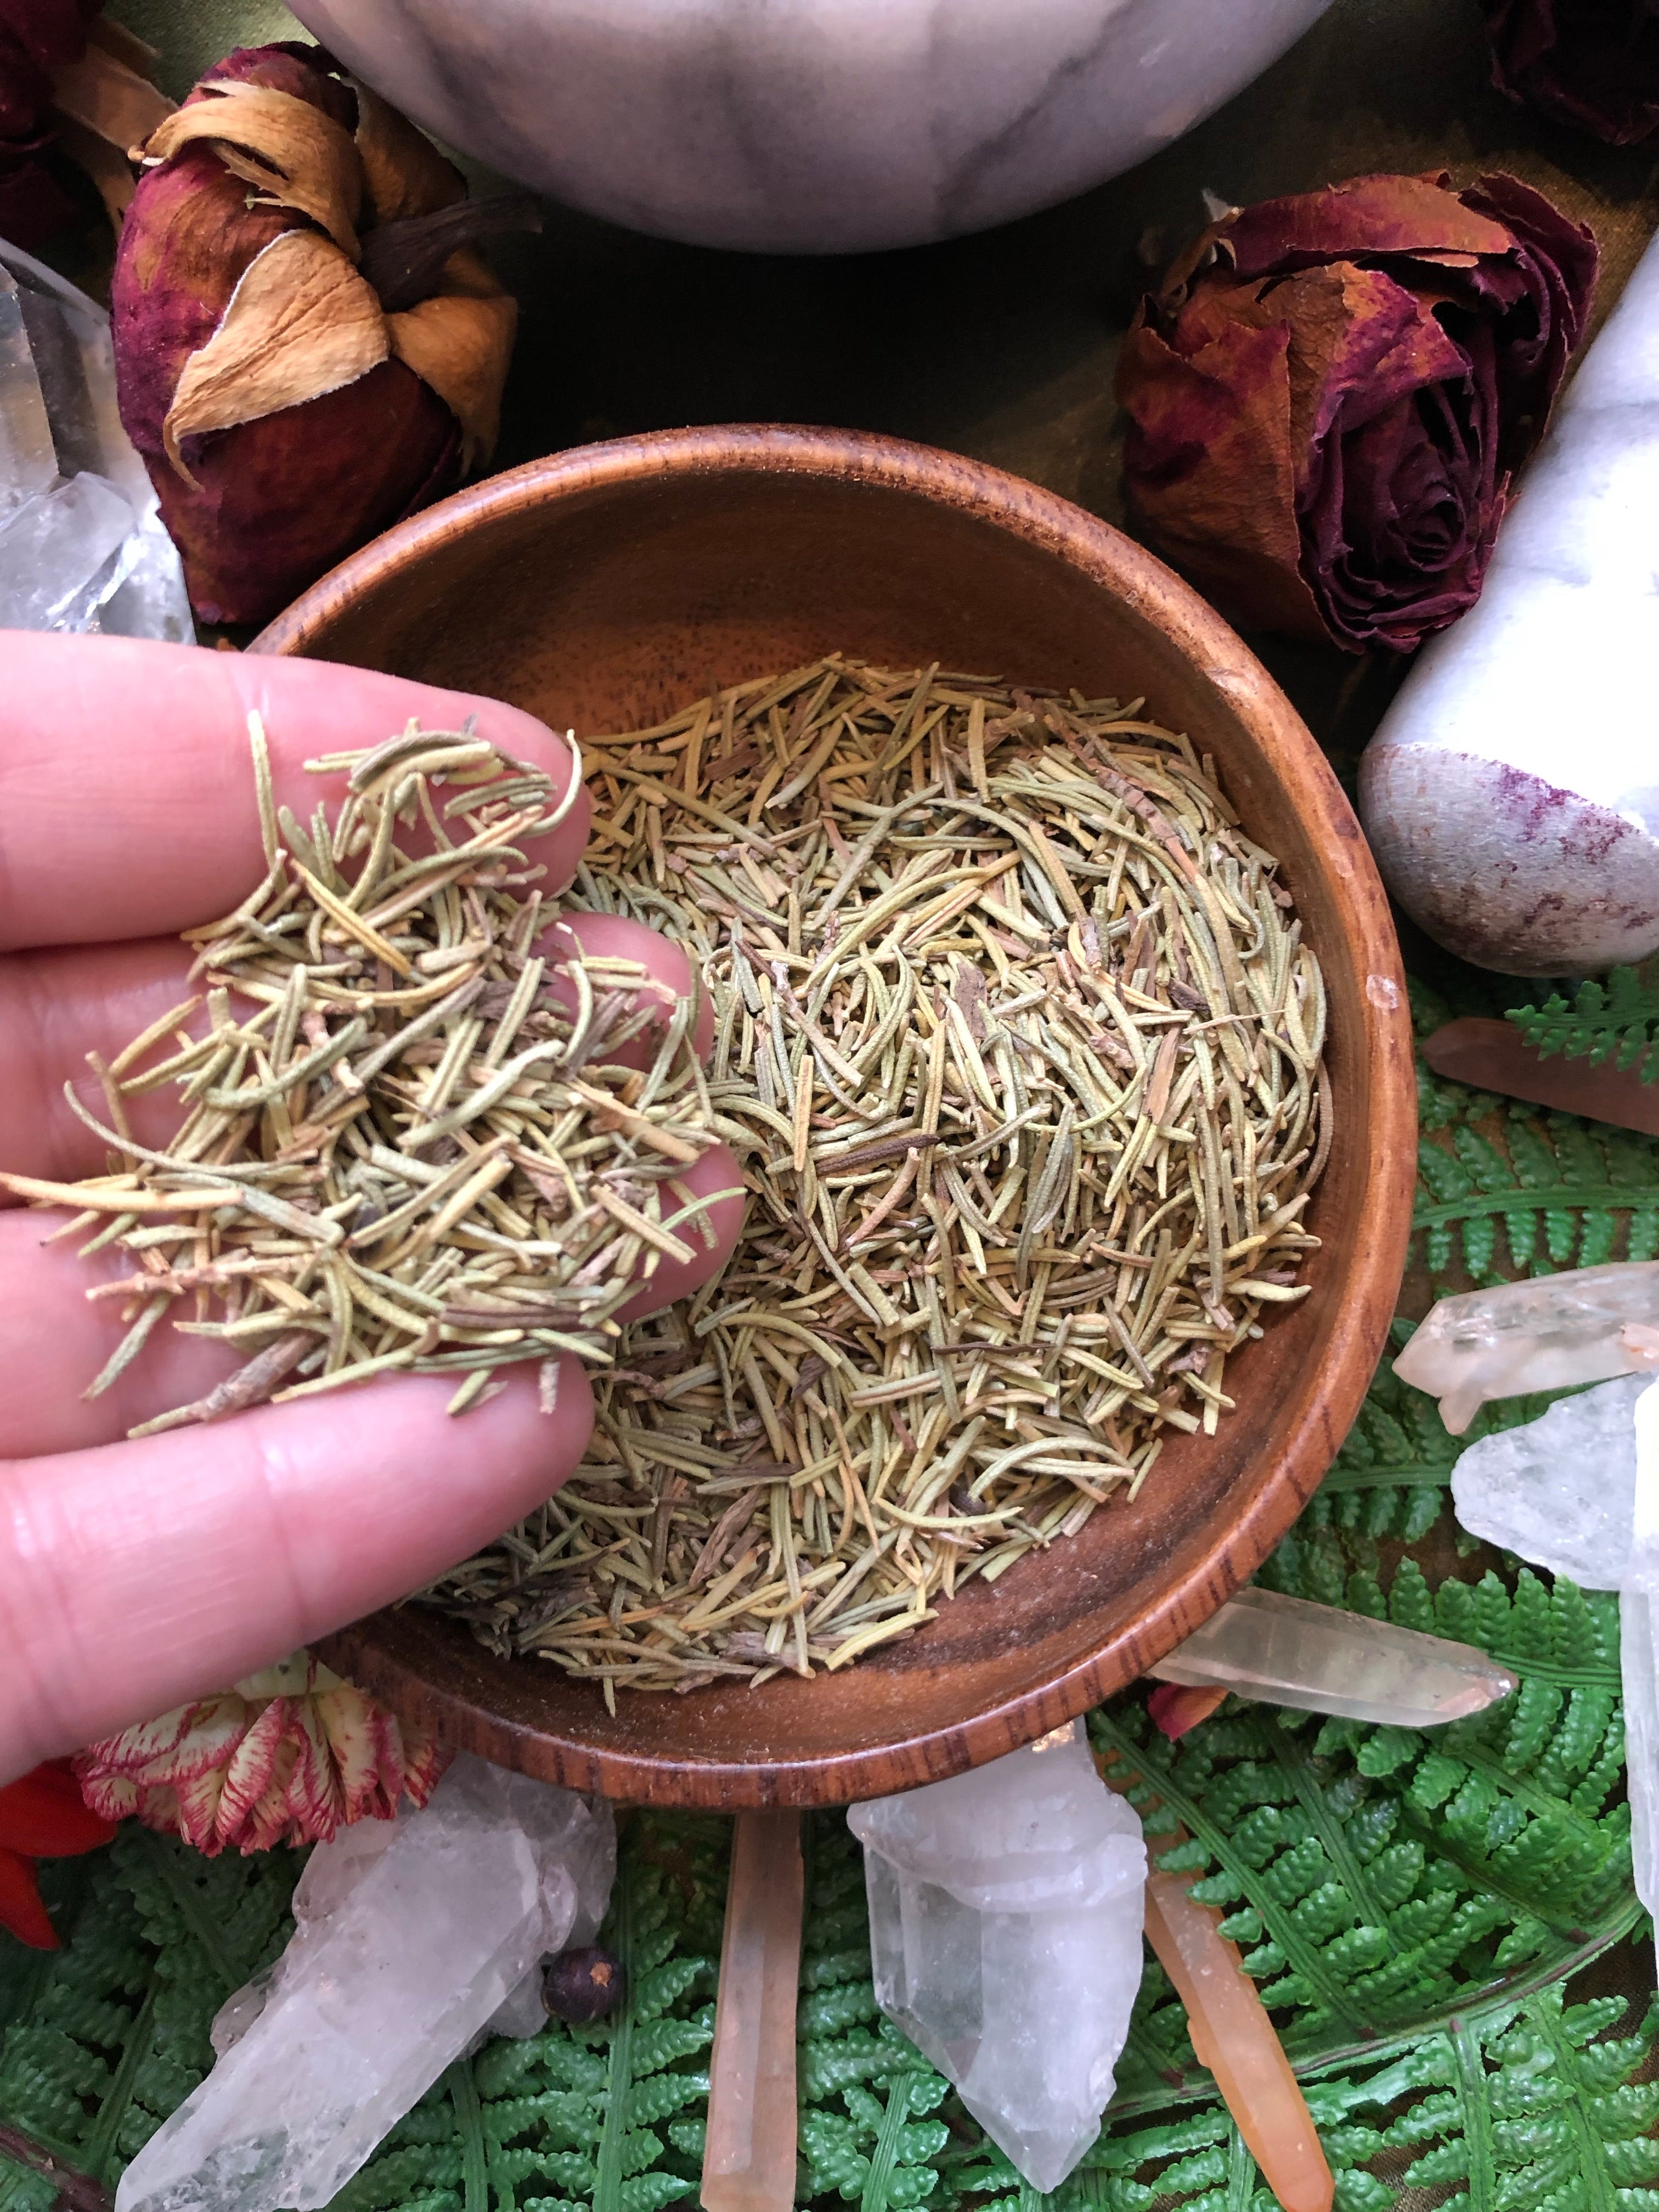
603, 586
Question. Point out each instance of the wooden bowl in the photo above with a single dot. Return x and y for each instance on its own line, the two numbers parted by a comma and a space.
604, 587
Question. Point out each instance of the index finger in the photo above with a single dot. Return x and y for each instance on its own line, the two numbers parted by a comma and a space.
127, 803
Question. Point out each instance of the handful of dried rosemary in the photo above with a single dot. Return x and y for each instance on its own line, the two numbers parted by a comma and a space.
1022, 1052
406, 1147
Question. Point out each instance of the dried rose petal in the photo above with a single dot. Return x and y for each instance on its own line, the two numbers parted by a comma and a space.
284, 414
1592, 63
1330, 395
1175, 1707
41, 1816
289, 1755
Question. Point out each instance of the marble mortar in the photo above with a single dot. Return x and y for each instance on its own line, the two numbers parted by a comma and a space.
808, 126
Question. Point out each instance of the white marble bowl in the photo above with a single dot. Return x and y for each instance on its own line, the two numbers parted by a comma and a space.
808, 126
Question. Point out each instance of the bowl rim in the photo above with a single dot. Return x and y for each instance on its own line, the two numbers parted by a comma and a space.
383, 1653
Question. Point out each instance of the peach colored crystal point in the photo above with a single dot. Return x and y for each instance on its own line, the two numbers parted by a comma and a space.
1492, 1055
1233, 2036
749, 2160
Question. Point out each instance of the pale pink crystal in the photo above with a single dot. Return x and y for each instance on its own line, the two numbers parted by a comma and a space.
749, 2158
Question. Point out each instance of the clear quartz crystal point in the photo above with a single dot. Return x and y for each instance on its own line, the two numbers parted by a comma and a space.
1639, 1628
1543, 1334
331, 1873
61, 556
82, 547
749, 2153
1287, 1651
1560, 1491
28, 462
1006, 1913
407, 1947
1576, 1492
1639, 1659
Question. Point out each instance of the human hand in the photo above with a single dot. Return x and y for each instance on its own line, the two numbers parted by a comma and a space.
134, 1575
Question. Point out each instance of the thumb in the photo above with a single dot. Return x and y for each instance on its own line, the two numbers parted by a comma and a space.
135, 1576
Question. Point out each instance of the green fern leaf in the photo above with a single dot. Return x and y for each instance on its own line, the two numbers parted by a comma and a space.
1616, 1020
1565, 1192
1415, 1905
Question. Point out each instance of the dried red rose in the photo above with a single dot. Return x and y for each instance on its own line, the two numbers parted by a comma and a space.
1330, 395
1593, 62
287, 409
41, 1817
36, 38
290, 1755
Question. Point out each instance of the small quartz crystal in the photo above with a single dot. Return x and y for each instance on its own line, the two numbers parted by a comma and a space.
82, 547
1559, 1490
1639, 1659
1005, 1911
1288, 1651
410, 1937
1576, 1492
28, 461
1542, 1334
1638, 1648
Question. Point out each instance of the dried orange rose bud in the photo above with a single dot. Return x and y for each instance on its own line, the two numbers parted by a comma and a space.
288, 1756
306, 348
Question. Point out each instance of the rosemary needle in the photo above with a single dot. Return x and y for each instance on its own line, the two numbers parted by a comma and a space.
401, 1152
1022, 1052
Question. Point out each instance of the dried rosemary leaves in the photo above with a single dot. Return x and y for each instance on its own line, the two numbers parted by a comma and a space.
406, 1148
1021, 1050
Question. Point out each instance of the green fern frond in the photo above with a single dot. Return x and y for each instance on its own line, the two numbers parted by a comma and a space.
116, 2035
578, 2113
1413, 1906
1388, 1484
1518, 2106
1565, 1192
1377, 1877
1617, 1020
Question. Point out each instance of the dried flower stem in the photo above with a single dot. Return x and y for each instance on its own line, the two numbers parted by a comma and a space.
76, 2191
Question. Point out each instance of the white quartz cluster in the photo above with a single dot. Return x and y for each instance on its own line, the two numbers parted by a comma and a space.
82, 547
1576, 1492
1561, 1490
1006, 1913
412, 1937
